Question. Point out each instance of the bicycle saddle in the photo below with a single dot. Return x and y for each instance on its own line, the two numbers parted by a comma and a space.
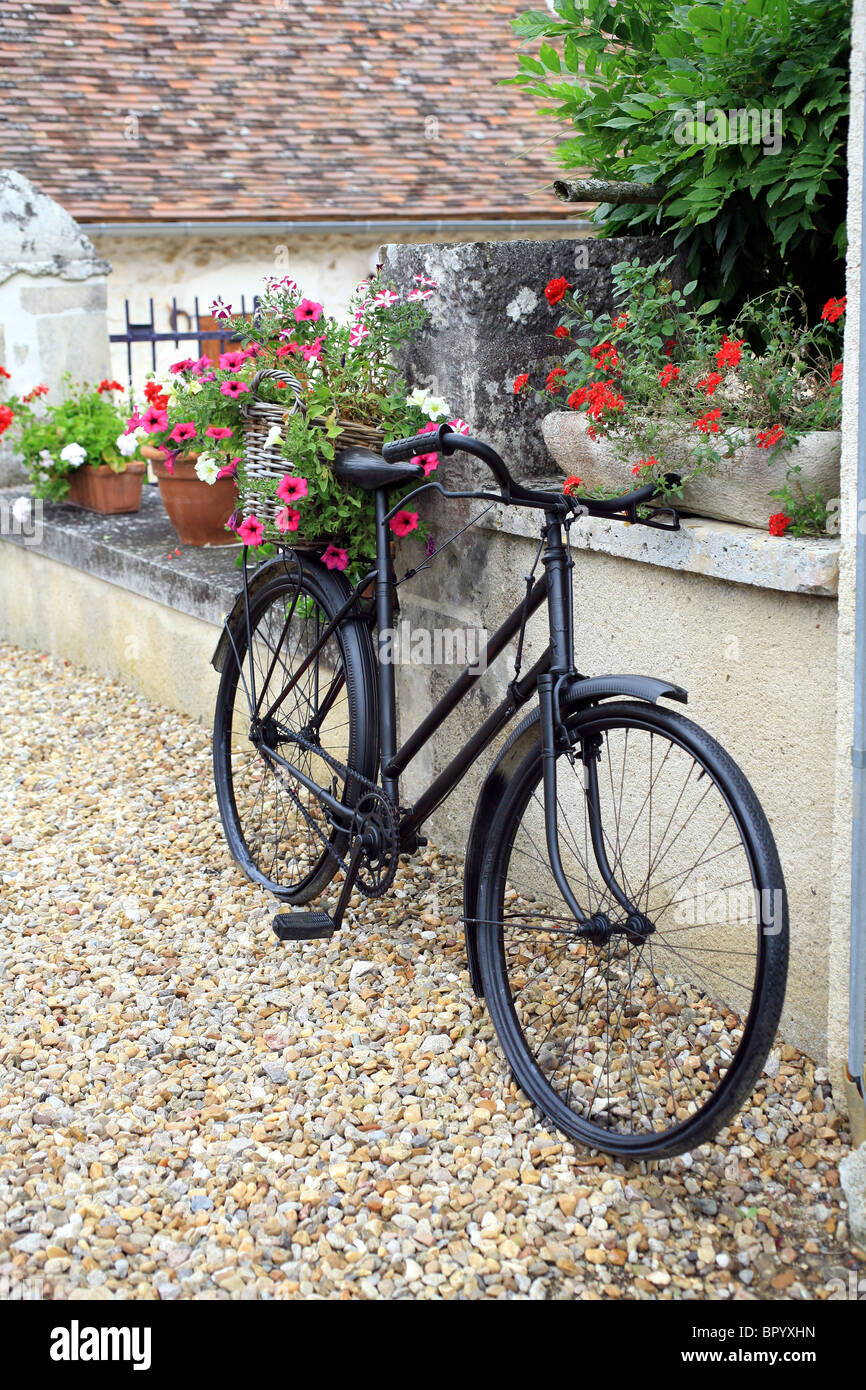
368, 470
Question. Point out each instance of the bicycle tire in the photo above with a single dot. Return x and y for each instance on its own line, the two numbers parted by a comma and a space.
290, 858
681, 1011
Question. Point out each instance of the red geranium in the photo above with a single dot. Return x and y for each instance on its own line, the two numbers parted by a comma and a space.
605, 356
708, 423
779, 524
520, 382
6, 418
834, 309
560, 332
106, 385
730, 352
570, 484
710, 382
767, 438
554, 381
668, 374
836, 374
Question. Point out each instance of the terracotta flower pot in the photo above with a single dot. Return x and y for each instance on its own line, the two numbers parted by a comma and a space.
102, 490
738, 491
198, 511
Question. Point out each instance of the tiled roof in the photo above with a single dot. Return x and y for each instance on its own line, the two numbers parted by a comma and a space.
127, 110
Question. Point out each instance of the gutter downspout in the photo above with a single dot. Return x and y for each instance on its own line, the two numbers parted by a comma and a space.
854, 1096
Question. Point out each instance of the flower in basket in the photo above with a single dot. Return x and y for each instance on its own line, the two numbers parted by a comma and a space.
655, 373
349, 391
86, 427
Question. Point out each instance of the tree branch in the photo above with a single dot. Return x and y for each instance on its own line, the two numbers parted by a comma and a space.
601, 191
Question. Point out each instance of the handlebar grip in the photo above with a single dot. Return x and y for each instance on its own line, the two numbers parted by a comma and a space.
605, 506
400, 449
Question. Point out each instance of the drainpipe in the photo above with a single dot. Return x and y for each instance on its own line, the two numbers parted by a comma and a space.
857, 984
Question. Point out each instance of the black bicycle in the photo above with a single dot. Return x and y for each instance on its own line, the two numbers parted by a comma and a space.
625, 910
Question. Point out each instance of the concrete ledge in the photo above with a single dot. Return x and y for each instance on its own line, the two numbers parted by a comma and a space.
715, 549
137, 553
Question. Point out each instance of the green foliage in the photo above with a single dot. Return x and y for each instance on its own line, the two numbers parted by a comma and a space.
87, 416
627, 78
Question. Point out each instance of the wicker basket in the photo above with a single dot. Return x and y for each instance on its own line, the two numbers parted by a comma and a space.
263, 463
268, 464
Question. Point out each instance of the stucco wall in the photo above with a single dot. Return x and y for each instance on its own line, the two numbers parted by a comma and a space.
758, 666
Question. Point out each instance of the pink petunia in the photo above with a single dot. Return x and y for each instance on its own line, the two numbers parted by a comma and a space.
428, 461
384, 299
169, 460
232, 361
182, 366
218, 432
404, 522
182, 432
313, 351
219, 309
417, 294
287, 519
233, 388
292, 488
251, 531
154, 420
287, 350
335, 559
132, 423
308, 311
458, 426
425, 280
358, 334
229, 470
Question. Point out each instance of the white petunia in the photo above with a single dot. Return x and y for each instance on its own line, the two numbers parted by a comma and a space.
207, 468
127, 445
193, 387
275, 436
21, 510
74, 454
436, 408
141, 434
417, 397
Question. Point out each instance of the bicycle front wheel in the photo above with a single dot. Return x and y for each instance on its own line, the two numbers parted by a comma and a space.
638, 1039
273, 688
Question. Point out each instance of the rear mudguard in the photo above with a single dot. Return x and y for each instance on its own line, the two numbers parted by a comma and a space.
574, 694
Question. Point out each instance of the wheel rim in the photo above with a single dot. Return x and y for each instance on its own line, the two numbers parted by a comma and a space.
282, 827
630, 1038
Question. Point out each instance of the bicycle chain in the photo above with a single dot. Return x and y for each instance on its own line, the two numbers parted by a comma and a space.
370, 889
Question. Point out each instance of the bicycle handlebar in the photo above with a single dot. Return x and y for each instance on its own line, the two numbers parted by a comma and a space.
447, 441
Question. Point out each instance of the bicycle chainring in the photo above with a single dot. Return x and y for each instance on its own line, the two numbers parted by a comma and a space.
375, 822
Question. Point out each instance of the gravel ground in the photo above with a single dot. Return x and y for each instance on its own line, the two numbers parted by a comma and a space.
190, 1110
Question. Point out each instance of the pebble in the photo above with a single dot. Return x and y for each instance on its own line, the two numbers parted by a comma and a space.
191, 1110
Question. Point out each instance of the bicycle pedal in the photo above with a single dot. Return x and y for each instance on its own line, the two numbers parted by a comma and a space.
302, 926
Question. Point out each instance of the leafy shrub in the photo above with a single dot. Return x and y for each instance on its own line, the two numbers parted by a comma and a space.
633, 81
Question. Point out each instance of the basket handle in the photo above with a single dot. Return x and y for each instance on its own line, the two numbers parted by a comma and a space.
275, 374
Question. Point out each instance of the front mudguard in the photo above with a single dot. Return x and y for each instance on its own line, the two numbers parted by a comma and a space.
573, 695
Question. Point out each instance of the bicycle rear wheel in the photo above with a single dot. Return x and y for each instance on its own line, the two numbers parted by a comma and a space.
641, 1041
275, 828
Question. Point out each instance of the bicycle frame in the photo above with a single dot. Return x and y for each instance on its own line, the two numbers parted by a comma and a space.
555, 665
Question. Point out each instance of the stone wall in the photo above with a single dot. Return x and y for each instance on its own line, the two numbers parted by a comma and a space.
490, 320
52, 297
